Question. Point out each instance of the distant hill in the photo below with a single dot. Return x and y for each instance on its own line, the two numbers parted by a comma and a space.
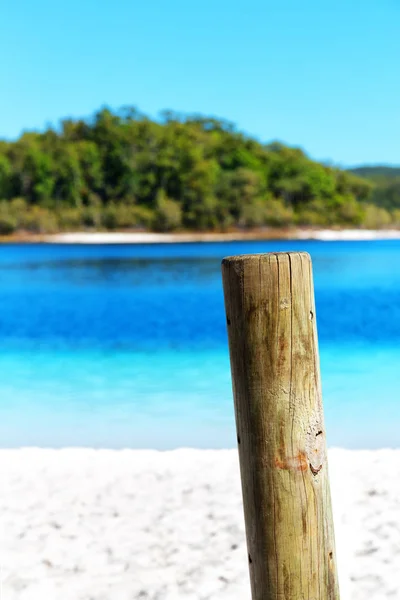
378, 173
386, 181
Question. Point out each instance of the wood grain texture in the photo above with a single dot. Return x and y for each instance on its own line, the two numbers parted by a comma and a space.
270, 309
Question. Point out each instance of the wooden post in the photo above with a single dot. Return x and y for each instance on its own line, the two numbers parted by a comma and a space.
269, 301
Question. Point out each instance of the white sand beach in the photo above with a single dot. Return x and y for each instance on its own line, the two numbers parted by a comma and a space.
120, 237
81, 524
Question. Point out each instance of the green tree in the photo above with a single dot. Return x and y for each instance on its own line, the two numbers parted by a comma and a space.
5, 176
38, 176
168, 215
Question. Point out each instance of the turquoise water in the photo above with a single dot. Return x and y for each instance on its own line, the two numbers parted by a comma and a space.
125, 346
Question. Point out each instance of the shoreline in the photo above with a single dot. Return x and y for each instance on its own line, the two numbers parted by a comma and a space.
125, 237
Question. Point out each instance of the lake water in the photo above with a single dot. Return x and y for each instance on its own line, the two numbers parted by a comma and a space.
125, 346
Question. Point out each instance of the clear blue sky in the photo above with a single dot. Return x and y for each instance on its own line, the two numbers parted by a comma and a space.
322, 75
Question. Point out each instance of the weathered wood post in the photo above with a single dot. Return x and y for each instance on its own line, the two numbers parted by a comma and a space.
269, 300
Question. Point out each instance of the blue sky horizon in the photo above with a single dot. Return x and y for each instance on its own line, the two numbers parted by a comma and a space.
322, 78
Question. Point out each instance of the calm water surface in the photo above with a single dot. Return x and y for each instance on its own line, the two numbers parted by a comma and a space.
116, 346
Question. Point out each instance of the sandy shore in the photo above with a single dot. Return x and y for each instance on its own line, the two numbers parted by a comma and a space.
124, 237
124, 525
271, 234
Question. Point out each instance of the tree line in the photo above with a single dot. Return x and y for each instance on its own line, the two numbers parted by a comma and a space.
122, 170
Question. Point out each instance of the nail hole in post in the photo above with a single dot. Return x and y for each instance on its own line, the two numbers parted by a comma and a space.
311, 315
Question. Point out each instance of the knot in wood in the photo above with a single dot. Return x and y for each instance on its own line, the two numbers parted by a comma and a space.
284, 303
316, 445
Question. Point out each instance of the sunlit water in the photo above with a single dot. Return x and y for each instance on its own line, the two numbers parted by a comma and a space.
116, 346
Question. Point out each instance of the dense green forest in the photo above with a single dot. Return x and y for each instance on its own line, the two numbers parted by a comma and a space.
122, 170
